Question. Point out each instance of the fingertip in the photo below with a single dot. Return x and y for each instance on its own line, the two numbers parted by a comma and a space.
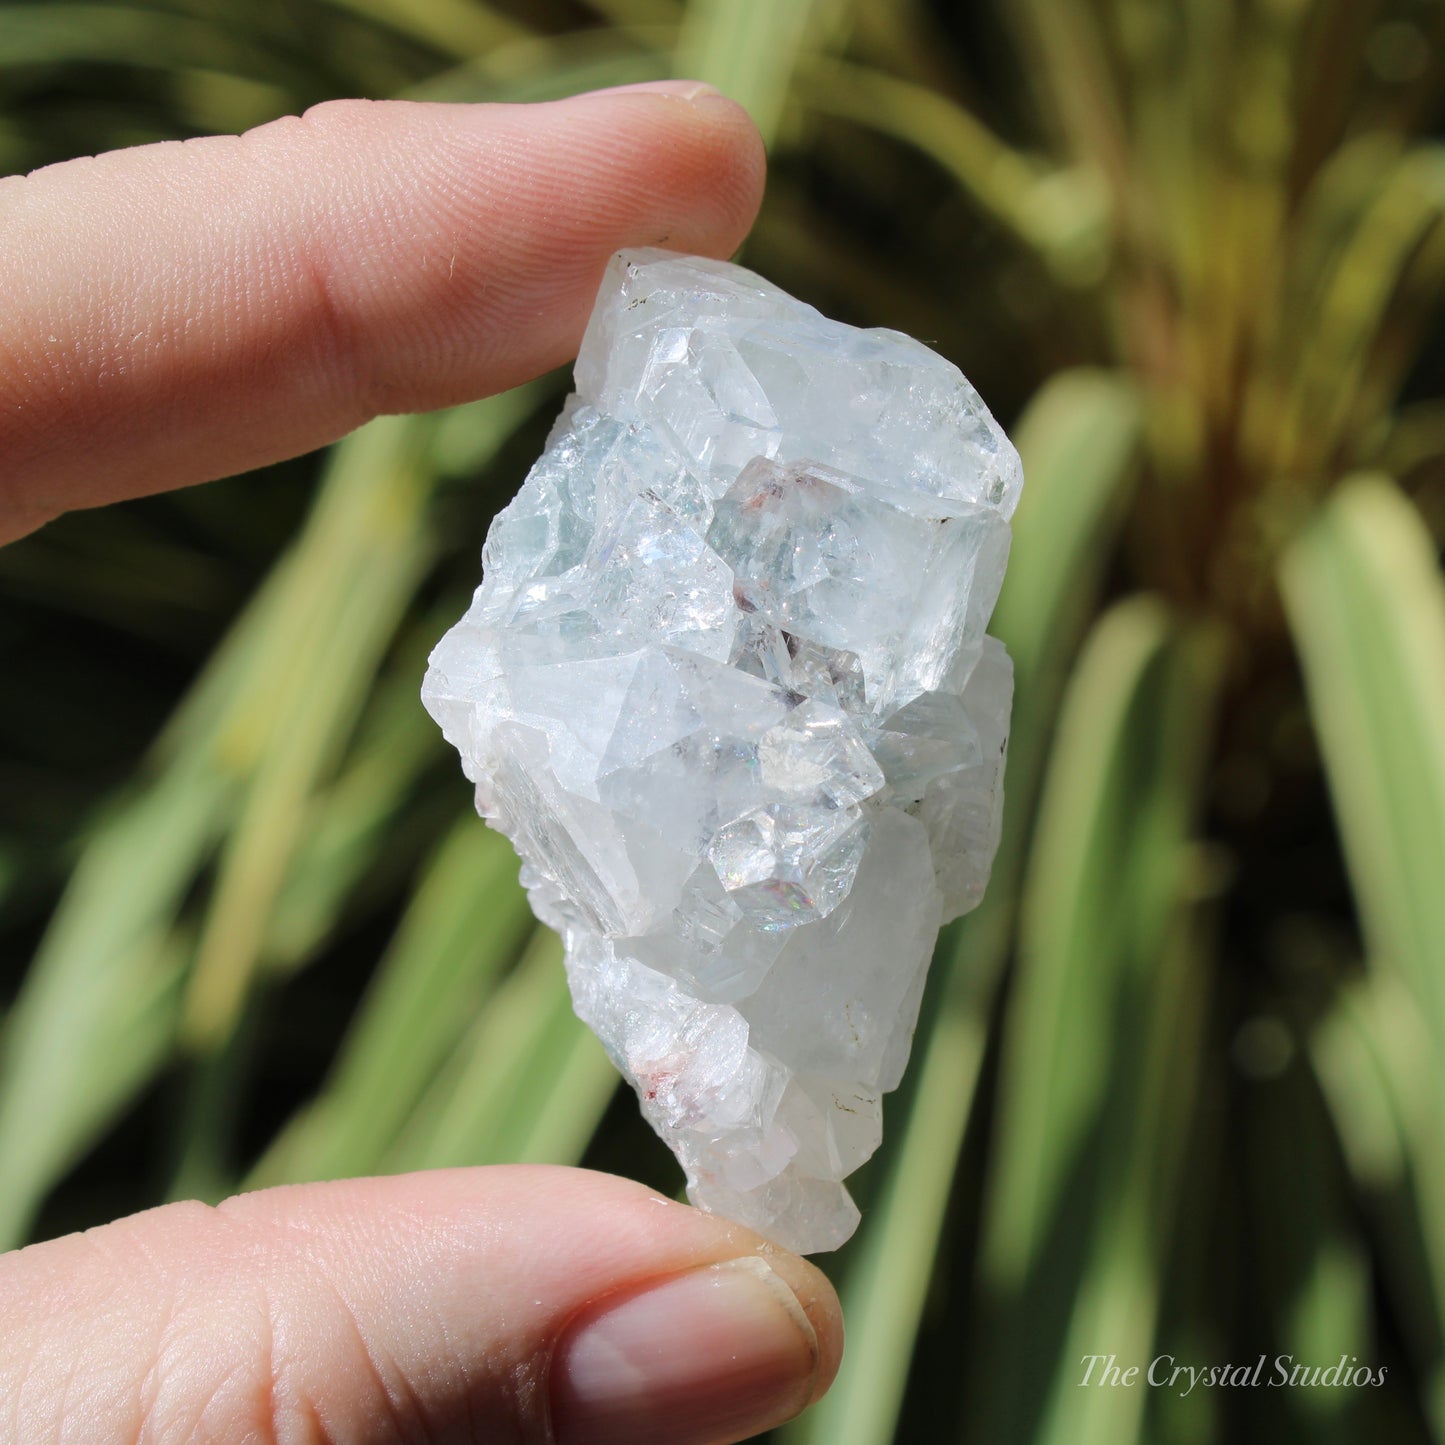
716, 1353
749, 159
717, 149
820, 1303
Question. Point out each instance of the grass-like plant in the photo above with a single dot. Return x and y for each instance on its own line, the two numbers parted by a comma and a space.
1178, 1083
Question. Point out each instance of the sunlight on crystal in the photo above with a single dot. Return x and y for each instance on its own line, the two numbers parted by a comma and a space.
726, 687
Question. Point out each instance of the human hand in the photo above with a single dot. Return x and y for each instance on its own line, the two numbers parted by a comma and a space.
180, 312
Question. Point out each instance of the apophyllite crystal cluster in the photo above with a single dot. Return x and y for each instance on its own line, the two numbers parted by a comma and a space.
726, 687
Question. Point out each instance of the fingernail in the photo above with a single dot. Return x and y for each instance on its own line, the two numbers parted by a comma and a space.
680, 89
719, 1353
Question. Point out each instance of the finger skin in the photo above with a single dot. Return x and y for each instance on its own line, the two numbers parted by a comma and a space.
423, 1308
184, 311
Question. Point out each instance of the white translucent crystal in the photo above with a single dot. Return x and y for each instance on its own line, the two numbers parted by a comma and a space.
726, 687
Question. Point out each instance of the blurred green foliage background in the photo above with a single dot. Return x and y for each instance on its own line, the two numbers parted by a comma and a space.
1178, 1084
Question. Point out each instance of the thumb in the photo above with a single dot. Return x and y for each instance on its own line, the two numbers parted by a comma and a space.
513, 1303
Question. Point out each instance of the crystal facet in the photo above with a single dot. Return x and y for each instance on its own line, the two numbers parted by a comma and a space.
726, 687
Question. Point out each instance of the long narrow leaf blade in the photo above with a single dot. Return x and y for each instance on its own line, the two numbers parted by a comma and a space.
1100, 1033
1366, 605
1379, 1067
746, 48
467, 918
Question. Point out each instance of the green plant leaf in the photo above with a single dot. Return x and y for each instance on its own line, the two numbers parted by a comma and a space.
456, 27
1116, 1300
61, 34
1097, 1069
359, 560
1063, 220
1331, 369
467, 918
345, 830
527, 1083
1366, 605
538, 68
114, 939
1079, 441
1379, 1067
1069, 68
747, 48
1314, 1261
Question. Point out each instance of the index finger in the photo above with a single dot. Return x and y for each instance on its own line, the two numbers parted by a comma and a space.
184, 311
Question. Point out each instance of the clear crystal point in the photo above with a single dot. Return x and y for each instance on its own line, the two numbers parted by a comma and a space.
726, 687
